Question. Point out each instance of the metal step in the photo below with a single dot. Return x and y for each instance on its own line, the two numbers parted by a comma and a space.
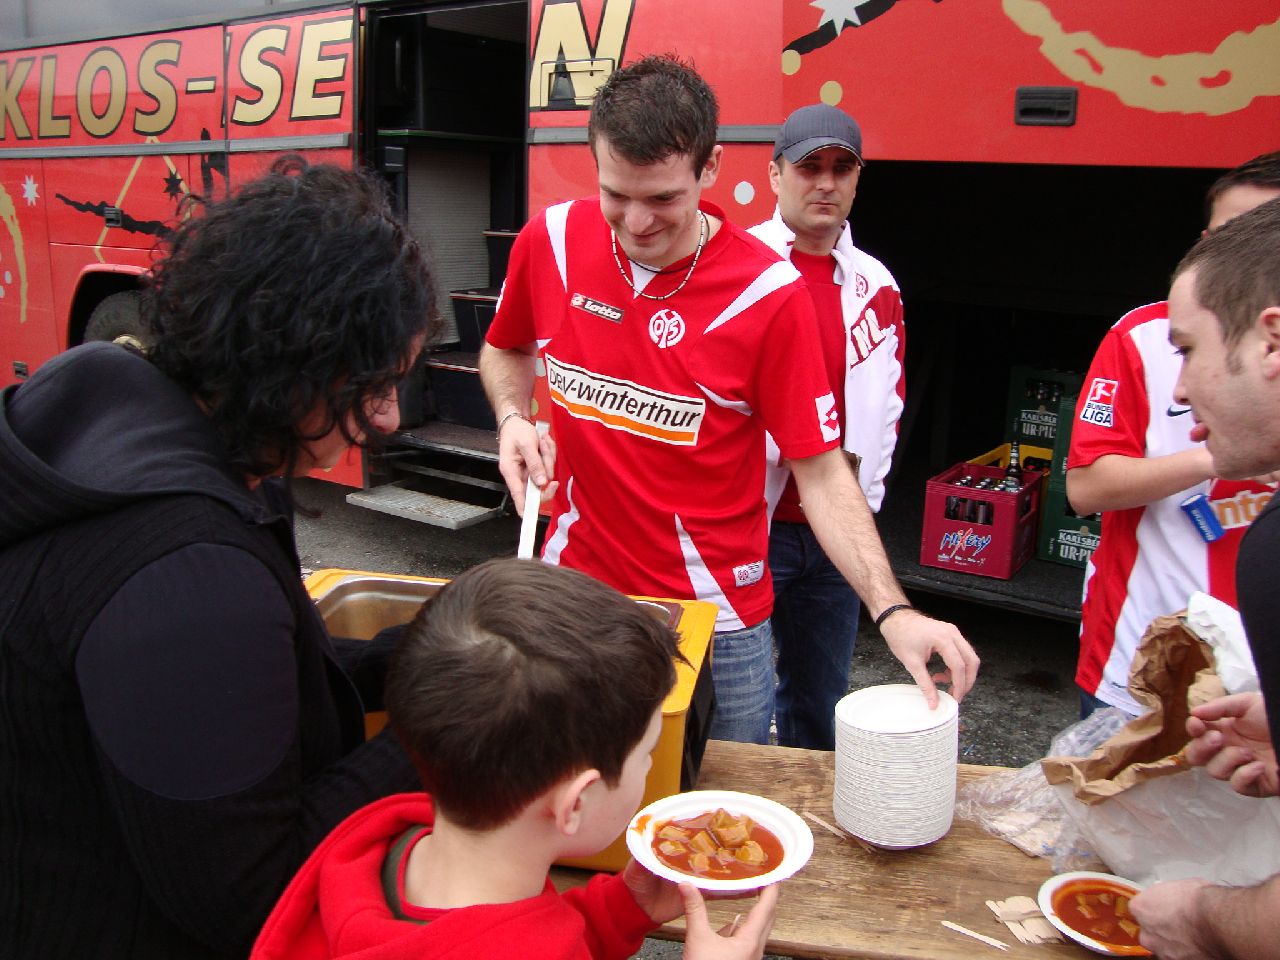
452, 476
453, 438
400, 501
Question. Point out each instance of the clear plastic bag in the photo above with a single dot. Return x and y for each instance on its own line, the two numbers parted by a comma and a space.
1021, 807
1185, 825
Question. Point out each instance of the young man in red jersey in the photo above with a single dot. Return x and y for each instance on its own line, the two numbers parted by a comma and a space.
672, 341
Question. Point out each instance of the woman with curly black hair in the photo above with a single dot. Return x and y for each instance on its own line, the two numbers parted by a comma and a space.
177, 730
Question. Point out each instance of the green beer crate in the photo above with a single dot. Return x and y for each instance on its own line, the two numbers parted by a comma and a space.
1062, 439
1032, 412
1064, 536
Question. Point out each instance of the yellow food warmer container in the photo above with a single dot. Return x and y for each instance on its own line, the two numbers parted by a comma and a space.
358, 603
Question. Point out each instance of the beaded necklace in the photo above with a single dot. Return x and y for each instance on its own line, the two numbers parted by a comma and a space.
702, 240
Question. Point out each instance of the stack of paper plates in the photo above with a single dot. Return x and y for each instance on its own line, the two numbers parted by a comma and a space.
895, 765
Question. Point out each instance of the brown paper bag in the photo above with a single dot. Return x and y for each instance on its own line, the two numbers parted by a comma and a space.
1172, 672
1135, 799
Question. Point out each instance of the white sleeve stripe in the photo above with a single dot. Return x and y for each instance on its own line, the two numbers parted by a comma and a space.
557, 217
775, 277
558, 539
704, 583
741, 406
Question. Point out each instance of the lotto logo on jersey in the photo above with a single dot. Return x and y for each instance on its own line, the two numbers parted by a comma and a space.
595, 307
860, 285
1099, 405
623, 405
828, 419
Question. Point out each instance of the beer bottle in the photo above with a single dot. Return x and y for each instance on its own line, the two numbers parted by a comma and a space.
1013, 472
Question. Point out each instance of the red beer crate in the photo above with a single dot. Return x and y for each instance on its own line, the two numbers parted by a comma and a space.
989, 533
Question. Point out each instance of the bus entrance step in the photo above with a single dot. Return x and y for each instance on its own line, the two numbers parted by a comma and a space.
400, 501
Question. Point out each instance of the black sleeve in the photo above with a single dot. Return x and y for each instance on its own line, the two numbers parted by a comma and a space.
1260, 606
365, 662
189, 681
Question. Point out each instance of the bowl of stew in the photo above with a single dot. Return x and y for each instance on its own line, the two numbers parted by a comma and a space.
1093, 910
719, 840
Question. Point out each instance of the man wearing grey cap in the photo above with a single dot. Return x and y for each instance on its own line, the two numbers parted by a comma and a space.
817, 159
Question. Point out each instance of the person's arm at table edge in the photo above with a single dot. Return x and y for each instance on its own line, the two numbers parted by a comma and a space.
508, 377
1118, 482
837, 511
1195, 918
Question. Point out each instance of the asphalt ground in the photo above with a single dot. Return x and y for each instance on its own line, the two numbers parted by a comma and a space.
1024, 695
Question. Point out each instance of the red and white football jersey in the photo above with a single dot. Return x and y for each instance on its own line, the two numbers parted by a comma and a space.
660, 407
1150, 559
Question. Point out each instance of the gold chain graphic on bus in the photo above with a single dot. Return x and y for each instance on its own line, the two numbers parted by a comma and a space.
1243, 66
9, 215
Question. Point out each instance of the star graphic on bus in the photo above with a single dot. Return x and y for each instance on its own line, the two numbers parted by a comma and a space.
30, 192
838, 13
173, 185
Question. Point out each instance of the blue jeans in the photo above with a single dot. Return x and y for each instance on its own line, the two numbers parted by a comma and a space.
742, 672
815, 624
1090, 703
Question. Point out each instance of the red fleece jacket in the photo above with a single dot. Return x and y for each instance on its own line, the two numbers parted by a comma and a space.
336, 908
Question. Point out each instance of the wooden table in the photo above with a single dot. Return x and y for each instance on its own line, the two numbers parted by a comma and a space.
851, 901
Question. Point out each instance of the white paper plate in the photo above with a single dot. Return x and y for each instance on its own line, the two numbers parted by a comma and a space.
1045, 900
791, 831
895, 765
894, 708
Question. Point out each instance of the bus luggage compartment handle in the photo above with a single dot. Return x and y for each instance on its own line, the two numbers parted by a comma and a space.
1045, 106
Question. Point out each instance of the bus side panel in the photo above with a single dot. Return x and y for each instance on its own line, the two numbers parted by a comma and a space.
146, 190
1161, 82
75, 206
291, 77
735, 45
249, 166
153, 88
27, 326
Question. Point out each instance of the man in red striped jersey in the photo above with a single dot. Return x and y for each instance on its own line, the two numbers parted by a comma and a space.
672, 341
1131, 458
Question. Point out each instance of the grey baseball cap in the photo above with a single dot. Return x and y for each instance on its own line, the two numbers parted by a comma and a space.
814, 127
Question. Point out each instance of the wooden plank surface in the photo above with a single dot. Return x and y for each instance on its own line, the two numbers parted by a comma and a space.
850, 901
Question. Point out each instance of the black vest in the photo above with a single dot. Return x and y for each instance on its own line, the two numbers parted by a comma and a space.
52, 585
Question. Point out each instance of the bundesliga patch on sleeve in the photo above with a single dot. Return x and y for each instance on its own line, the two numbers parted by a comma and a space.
828, 419
1099, 405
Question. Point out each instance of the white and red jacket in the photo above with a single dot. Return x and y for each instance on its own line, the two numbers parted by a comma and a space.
875, 341
1150, 559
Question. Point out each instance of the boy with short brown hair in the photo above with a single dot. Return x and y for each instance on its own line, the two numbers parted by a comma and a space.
529, 697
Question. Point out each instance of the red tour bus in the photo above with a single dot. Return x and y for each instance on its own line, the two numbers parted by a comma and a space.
1036, 167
